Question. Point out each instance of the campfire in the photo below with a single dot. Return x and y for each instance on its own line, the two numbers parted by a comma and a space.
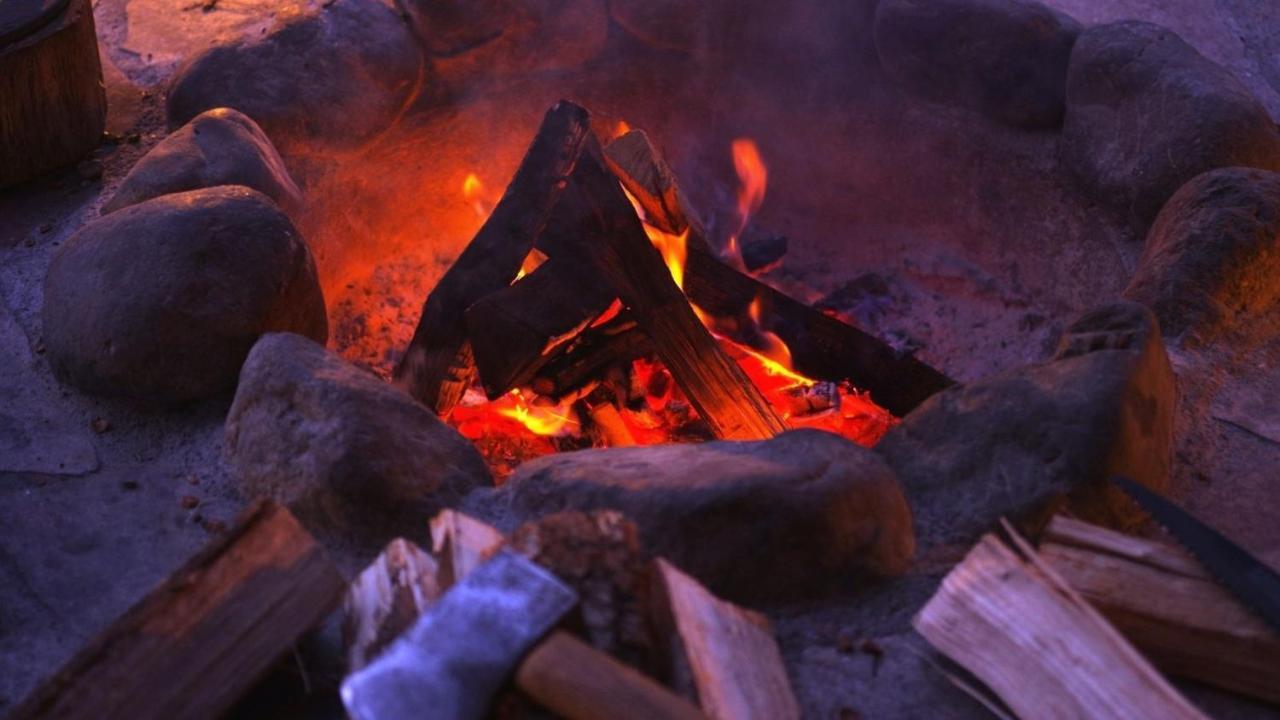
592, 310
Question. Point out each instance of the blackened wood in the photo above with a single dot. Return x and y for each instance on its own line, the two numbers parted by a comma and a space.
589, 355
511, 329
716, 386
53, 106
822, 346
195, 644
437, 367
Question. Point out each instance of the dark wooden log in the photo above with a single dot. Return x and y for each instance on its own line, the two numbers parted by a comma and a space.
194, 645
53, 105
437, 367
512, 329
589, 355
716, 386
822, 346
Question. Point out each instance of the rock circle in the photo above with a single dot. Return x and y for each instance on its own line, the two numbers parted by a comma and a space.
161, 301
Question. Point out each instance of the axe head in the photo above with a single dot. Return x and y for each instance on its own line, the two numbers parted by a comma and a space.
461, 651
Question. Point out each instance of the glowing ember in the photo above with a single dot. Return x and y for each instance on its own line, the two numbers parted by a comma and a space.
540, 420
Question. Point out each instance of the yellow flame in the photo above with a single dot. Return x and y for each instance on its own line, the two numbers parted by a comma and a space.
674, 249
775, 356
531, 262
539, 420
473, 192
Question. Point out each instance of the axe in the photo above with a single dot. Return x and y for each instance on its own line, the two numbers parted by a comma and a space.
498, 620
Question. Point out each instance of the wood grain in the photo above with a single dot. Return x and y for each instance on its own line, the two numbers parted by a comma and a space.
53, 105
460, 543
1168, 607
730, 652
195, 644
386, 599
1017, 626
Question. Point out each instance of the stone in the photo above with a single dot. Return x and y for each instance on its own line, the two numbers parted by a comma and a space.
750, 520
1005, 58
599, 555
218, 147
1212, 258
537, 36
337, 75
161, 301
449, 27
350, 453
665, 24
1017, 444
1146, 113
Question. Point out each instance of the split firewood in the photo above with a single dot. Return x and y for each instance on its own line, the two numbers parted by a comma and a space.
199, 641
460, 543
716, 386
726, 653
437, 367
821, 346
513, 330
386, 599
1165, 603
605, 425
1009, 619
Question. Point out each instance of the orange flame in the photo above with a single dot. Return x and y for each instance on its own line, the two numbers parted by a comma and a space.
473, 192
754, 178
531, 262
674, 249
539, 420
622, 129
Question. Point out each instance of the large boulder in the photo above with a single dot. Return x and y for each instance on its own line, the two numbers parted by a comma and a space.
1005, 58
350, 453
1212, 259
161, 301
218, 147
749, 519
338, 74
1017, 444
1146, 113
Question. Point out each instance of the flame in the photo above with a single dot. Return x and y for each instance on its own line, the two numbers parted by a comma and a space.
621, 129
674, 249
537, 419
473, 192
774, 353
531, 262
754, 178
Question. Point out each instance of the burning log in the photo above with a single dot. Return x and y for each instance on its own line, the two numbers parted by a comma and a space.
196, 643
1015, 624
512, 330
438, 367
1167, 606
821, 346
723, 395
586, 358
606, 422
727, 654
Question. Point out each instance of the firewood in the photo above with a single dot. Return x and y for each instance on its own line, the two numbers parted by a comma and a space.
716, 386
606, 424
53, 107
1008, 618
460, 543
437, 367
822, 346
196, 643
385, 600
513, 330
589, 355
1165, 603
727, 653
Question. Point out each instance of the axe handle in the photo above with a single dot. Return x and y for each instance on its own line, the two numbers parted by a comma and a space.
575, 680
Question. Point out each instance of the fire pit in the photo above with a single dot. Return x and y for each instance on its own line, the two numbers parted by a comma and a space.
722, 333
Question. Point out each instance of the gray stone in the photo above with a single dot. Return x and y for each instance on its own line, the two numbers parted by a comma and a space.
346, 450
338, 74
1212, 259
1005, 58
1016, 444
1146, 113
218, 147
749, 519
161, 301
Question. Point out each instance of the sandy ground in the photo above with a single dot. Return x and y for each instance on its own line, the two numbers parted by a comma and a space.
984, 249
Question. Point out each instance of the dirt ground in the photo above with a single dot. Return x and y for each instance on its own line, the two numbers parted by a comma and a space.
979, 247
